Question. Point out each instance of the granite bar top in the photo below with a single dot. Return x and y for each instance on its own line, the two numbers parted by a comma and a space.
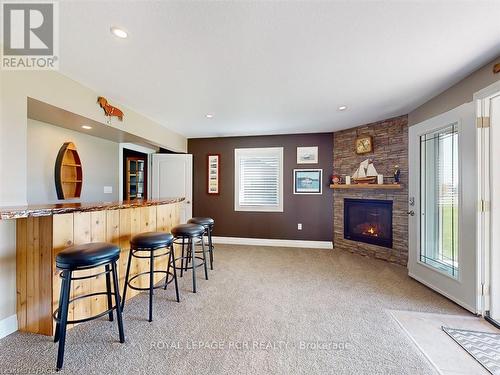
20, 212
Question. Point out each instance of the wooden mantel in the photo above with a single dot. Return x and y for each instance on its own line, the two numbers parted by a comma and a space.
367, 186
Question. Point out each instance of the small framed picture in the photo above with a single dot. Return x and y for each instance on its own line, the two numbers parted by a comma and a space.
213, 175
307, 155
307, 181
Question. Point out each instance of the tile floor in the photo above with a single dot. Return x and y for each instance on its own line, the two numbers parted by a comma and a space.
444, 353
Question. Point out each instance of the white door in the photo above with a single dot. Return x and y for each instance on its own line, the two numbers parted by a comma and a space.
173, 177
443, 204
488, 113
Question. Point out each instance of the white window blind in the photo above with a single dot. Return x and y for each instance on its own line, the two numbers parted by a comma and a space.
259, 179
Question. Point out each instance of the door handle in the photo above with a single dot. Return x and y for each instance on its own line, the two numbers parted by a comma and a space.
411, 213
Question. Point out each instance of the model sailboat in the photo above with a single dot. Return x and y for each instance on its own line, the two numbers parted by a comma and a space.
366, 173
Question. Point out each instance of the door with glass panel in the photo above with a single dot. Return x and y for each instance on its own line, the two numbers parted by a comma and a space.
488, 113
442, 205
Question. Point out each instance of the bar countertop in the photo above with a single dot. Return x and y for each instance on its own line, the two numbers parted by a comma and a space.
19, 212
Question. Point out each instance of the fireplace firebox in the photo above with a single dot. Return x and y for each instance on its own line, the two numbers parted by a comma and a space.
369, 221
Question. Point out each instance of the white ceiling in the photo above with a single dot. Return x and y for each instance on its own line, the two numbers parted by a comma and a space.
275, 67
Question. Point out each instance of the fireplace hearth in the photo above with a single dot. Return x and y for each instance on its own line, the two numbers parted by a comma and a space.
369, 221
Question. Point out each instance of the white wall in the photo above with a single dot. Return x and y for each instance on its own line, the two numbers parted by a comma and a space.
456, 95
60, 91
99, 159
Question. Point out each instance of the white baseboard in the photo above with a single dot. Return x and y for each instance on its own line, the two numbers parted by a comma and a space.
8, 325
273, 242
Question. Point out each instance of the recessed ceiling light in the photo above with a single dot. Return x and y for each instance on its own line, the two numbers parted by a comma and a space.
342, 108
210, 115
118, 32
86, 127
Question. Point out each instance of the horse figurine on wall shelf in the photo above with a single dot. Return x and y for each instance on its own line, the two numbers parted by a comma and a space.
109, 110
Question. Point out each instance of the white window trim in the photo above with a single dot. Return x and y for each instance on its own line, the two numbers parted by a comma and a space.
238, 152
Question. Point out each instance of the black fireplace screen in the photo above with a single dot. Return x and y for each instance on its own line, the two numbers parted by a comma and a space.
369, 221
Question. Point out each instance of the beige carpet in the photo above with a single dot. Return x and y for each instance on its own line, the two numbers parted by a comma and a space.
265, 310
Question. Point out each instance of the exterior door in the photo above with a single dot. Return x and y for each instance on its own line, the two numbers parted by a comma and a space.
173, 177
488, 115
443, 204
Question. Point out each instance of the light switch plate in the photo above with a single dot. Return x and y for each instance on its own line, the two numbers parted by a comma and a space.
108, 189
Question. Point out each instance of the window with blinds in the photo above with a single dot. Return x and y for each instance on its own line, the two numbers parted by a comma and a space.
258, 179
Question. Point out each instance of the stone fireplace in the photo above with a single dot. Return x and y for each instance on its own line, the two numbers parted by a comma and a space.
390, 142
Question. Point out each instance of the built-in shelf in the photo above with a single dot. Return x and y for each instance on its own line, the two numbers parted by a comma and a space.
367, 186
68, 172
71, 165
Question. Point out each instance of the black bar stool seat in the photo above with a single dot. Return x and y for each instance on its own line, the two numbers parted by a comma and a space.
208, 223
87, 255
151, 242
79, 258
205, 221
191, 233
188, 230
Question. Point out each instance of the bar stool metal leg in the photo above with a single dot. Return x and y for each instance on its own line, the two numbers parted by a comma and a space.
210, 249
64, 318
168, 268
204, 257
191, 246
127, 274
171, 263
58, 324
175, 272
182, 256
108, 290
188, 255
151, 284
117, 302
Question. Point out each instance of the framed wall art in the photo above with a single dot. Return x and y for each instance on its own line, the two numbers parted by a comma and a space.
307, 155
213, 166
307, 181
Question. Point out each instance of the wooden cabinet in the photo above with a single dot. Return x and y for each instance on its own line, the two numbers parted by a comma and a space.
135, 178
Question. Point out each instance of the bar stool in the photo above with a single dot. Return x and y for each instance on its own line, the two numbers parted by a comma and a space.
78, 258
190, 233
151, 242
208, 224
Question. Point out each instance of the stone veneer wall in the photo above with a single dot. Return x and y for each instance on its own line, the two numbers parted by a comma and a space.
390, 144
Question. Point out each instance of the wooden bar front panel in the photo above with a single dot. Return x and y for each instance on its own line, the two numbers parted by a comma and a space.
39, 240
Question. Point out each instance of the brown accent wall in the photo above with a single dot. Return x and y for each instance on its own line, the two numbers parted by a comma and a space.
315, 212
390, 139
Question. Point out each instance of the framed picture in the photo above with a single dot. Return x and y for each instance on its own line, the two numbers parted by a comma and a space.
307, 155
213, 176
307, 181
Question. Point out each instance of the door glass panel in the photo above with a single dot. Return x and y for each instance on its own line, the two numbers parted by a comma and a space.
439, 199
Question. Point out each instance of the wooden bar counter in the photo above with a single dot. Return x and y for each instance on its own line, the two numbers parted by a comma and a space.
43, 231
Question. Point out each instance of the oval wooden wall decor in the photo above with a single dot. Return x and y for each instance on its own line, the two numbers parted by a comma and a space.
68, 172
